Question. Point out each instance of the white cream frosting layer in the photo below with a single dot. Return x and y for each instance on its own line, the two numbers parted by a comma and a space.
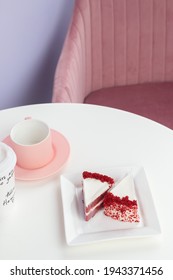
92, 189
125, 187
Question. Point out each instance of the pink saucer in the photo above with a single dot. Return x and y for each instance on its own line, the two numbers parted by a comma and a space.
62, 151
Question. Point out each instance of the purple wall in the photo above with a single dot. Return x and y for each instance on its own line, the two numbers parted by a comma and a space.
31, 36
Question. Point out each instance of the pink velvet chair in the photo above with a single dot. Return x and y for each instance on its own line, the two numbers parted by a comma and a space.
119, 53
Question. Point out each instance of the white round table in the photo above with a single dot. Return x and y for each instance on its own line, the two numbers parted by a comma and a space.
98, 136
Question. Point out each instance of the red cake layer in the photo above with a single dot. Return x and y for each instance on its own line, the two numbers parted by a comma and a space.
95, 202
92, 213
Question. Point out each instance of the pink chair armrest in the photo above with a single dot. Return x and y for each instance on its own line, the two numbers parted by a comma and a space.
70, 78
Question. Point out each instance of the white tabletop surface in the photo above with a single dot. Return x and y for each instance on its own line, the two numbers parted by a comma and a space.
98, 136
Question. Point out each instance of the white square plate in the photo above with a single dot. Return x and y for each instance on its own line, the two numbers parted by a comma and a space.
101, 227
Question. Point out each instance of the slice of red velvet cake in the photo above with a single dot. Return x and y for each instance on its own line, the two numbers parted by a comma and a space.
120, 202
95, 186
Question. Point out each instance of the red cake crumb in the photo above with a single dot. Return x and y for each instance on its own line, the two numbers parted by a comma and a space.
98, 176
111, 199
122, 209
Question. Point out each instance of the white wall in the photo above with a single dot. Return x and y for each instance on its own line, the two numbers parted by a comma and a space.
31, 36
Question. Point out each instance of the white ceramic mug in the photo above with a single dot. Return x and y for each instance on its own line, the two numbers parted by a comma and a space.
7, 179
32, 142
